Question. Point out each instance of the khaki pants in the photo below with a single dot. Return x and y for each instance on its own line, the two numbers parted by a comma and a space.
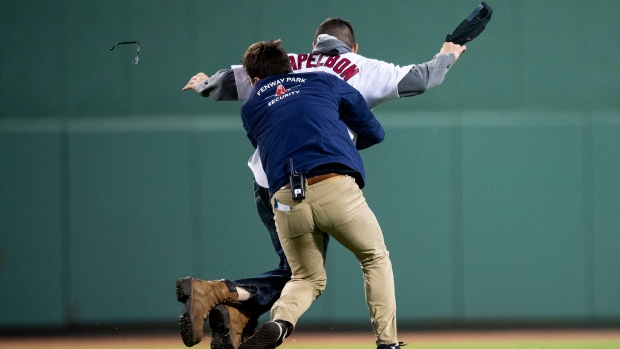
335, 206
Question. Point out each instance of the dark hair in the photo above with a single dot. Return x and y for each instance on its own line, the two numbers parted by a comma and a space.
338, 28
266, 58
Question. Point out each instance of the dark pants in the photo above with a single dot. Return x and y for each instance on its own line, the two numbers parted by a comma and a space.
268, 285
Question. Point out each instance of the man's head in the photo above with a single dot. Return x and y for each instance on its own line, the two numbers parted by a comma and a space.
338, 28
264, 59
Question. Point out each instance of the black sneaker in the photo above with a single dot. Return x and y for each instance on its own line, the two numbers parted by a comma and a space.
269, 336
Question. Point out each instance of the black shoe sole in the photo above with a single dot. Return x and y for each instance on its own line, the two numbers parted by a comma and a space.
266, 337
186, 326
184, 289
219, 322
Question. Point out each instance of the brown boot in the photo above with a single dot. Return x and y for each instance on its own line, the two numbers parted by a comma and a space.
229, 326
198, 298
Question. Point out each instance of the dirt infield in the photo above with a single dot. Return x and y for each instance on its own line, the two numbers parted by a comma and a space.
308, 338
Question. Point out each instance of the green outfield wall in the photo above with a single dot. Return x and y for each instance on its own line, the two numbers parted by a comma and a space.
498, 192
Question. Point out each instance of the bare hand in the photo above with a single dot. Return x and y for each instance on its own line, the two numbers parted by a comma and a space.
195, 80
457, 50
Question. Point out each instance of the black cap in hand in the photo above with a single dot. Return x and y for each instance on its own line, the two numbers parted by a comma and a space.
472, 26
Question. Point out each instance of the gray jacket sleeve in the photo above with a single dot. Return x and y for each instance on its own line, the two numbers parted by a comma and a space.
220, 86
425, 76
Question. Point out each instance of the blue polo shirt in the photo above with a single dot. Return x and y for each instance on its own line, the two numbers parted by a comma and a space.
304, 117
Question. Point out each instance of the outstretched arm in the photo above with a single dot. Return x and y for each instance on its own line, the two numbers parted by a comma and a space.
427, 75
220, 86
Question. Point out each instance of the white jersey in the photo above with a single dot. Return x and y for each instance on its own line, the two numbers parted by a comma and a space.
376, 80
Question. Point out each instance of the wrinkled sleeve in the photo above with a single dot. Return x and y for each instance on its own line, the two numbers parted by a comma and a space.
221, 86
425, 76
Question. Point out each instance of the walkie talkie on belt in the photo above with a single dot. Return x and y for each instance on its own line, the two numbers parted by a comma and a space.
298, 184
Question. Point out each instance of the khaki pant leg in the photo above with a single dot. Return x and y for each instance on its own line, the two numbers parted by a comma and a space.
303, 247
347, 217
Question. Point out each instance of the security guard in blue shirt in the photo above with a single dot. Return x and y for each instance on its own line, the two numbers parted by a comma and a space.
299, 124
